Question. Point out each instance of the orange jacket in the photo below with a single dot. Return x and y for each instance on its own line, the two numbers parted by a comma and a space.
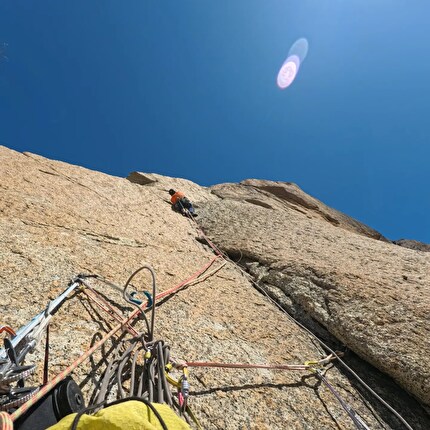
177, 196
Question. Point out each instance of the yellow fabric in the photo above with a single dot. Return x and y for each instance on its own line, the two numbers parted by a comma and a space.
131, 415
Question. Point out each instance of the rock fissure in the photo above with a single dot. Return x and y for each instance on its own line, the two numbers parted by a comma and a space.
337, 272
104, 238
281, 292
371, 295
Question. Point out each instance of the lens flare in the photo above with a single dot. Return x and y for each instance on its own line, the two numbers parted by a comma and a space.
295, 59
290, 68
300, 49
287, 73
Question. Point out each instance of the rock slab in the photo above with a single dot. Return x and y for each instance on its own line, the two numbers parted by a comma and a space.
58, 220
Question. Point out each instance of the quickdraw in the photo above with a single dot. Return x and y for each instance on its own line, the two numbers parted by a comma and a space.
15, 350
144, 361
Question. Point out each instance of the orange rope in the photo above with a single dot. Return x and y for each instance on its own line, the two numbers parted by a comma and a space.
306, 366
248, 366
182, 284
108, 308
57, 379
211, 244
5, 421
7, 329
53, 382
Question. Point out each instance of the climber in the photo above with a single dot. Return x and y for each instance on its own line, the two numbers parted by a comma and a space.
180, 203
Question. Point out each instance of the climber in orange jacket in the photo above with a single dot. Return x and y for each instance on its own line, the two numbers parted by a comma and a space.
180, 203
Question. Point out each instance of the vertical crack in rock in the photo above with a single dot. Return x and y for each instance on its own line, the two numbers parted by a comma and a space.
371, 295
301, 298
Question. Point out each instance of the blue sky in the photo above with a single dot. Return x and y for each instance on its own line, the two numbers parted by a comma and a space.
188, 88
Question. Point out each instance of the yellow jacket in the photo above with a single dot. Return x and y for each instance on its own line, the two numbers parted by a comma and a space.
131, 415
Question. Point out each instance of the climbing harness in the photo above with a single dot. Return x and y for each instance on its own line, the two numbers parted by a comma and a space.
187, 208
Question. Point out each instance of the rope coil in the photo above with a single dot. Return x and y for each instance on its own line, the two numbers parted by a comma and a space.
156, 355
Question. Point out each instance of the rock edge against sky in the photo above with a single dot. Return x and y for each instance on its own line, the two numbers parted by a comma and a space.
58, 220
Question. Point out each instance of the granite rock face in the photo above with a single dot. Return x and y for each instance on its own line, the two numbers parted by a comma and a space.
370, 294
58, 220
286, 195
413, 244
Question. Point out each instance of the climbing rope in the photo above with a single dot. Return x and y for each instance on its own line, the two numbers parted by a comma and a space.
356, 419
151, 300
124, 323
307, 366
325, 346
152, 379
61, 376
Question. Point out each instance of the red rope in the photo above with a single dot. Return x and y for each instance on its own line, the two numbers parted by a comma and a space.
5, 421
248, 366
57, 379
112, 311
109, 309
211, 244
8, 330
191, 278
53, 382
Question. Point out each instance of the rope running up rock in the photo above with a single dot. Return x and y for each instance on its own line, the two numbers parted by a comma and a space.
326, 347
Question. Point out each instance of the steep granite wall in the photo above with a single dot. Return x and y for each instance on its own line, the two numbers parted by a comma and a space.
58, 220
372, 295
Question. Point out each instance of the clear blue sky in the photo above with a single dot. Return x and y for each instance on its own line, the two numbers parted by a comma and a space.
188, 88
